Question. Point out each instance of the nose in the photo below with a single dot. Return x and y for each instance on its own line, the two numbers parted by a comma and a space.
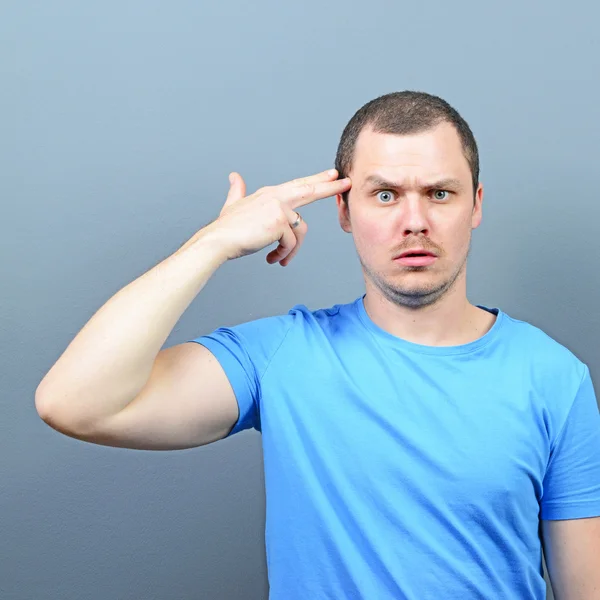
414, 215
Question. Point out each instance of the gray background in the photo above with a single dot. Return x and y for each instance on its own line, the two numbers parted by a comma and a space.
119, 124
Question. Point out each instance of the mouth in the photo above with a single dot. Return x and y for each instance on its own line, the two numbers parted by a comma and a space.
416, 258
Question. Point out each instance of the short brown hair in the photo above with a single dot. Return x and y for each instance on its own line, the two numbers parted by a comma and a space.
405, 113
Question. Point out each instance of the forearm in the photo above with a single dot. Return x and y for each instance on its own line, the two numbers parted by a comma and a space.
111, 358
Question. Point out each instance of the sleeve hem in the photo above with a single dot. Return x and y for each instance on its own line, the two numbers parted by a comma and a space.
572, 510
235, 374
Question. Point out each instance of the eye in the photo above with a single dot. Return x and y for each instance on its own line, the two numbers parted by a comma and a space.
438, 194
385, 196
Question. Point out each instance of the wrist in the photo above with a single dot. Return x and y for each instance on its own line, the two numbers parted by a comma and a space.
211, 244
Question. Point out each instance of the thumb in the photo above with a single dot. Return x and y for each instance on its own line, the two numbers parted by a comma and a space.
237, 189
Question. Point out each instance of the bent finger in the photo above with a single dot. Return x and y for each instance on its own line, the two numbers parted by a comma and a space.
301, 232
287, 242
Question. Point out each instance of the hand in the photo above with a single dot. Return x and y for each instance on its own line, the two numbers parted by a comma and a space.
248, 224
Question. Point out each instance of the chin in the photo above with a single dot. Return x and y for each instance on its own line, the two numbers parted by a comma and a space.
415, 297
408, 291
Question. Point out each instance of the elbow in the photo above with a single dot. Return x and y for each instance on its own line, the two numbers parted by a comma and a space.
43, 405
54, 413
60, 415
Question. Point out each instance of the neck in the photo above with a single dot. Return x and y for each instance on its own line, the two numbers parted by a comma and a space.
451, 321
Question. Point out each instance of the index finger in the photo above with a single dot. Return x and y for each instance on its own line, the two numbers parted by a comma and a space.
301, 195
329, 175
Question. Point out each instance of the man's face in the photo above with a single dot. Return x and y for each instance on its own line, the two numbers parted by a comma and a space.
409, 192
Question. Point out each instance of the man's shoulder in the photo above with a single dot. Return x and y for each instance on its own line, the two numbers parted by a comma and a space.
543, 348
299, 318
325, 314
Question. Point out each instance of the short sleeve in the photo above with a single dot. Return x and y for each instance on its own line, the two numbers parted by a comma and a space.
571, 487
244, 352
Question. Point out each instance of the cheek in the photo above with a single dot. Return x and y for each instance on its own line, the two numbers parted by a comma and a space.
457, 238
372, 236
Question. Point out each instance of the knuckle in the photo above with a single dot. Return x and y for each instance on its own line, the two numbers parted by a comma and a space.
272, 204
306, 189
280, 216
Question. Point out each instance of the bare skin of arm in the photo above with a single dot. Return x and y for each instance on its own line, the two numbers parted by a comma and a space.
113, 385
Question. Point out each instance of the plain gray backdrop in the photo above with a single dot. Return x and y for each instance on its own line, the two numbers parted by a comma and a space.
120, 122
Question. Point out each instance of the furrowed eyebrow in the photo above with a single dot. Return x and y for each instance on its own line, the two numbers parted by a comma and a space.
374, 181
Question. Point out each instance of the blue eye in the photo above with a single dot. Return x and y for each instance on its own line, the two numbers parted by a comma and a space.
437, 197
385, 196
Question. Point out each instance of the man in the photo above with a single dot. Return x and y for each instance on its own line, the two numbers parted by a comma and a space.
415, 445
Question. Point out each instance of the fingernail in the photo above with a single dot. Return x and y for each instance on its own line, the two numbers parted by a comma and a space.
331, 172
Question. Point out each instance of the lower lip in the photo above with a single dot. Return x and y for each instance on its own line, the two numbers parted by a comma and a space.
416, 261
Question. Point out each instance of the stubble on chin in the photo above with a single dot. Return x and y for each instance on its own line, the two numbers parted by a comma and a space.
415, 296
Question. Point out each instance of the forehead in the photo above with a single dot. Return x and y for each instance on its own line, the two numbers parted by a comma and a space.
428, 153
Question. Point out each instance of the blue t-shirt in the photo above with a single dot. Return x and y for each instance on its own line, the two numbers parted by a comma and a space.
395, 470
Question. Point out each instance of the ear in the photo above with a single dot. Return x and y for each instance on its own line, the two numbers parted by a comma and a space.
343, 214
477, 210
